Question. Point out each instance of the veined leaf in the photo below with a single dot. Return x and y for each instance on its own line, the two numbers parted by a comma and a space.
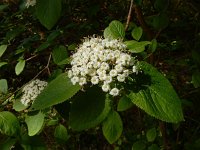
57, 91
115, 30
112, 127
158, 99
107, 33
88, 109
48, 12
136, 47
9, 124
34, 123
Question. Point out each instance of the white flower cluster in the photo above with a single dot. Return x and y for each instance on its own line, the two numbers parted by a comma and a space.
32, 90
30, 3
101, 61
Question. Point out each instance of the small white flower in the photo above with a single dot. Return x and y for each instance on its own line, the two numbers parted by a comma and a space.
119, 68
82, 81
105, 87
113, 73
134, 69
121, 77
126, 73
104, 66
70, 74
74, 80
114, 92
108, 79
95, 80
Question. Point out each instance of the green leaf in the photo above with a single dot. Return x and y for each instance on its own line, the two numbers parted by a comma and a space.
2, 49
139, 145
88, 109
61, 133
161, 5
107, 33
20, 66
18, 106
34, 123
153, 45
196, 79
158, 99
57, 91
117, 30
112, 127
2, 64
3, 86
124, 103
59, 54
151, 135
137, 33
136, 47
9, 124
48, 12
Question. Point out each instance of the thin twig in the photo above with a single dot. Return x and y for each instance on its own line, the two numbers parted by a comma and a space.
31, 57
129, 15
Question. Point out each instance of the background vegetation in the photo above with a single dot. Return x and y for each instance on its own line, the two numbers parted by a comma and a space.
28, 43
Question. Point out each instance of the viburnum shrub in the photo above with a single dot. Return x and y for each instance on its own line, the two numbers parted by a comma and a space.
104, 62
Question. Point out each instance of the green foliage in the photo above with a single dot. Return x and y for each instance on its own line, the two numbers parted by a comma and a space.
48, 12
124, 103
159, 98
151, 135
137, 33
136, 47
18, 106
2, 49
57, 91
9, 124
61, 133
115, 30
34, 123
3, 86
20, 66
88, 109
59, 55
112, 127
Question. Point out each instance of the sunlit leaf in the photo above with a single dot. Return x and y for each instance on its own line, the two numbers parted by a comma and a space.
57, 91
20, 66
34, 123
